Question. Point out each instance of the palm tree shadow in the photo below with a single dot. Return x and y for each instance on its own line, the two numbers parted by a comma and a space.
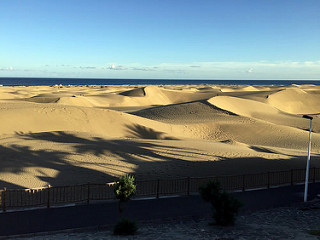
139, 131
150, 158
46, 166
262, 149
144, 155
125, 150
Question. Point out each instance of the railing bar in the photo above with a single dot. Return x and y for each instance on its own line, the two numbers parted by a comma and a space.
77, 193
59, 199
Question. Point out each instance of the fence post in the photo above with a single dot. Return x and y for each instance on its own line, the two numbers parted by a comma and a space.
88, 199
158, 187
188, 186
243, 183
48, 203
4, 207
268, 184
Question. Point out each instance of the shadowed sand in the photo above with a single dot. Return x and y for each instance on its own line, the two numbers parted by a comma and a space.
64, 135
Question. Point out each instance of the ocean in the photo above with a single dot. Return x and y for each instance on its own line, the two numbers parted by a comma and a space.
98, 81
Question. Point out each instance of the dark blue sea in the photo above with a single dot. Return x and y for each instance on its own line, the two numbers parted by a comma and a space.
98, 81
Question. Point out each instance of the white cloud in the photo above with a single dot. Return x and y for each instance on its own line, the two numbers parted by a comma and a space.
190, 70
221, 70
144, 68
87, 67
7, 68
116, 67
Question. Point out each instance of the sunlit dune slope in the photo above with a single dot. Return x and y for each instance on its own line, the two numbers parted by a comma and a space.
32, 118
296, 101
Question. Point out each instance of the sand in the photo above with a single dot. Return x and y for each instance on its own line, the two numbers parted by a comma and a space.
65, 135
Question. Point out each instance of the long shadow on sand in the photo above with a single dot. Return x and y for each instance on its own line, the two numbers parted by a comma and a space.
152, 159
16, 159
46, 165
139, 131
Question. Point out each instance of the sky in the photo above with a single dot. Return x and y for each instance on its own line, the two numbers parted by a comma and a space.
161, 39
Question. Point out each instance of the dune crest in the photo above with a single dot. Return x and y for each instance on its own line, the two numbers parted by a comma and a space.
137, 92
296, 101
75, 101
243, 107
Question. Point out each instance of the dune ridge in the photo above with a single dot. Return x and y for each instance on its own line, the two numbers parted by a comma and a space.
296, 101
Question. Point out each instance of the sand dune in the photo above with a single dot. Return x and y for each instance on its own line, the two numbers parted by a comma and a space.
137, 92
74, 134
164, 96
197, 111
54, 117
296, 101
243, 107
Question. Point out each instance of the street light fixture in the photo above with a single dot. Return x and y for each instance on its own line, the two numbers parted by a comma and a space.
308, 159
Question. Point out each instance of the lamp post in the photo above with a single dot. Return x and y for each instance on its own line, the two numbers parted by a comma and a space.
308, 159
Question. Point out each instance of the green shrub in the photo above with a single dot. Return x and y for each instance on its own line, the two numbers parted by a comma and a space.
224, 206
125, 227
125, 188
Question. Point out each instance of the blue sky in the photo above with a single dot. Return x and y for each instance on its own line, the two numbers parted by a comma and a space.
180, 39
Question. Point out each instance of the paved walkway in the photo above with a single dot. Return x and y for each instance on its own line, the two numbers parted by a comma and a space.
99, 216
279, 223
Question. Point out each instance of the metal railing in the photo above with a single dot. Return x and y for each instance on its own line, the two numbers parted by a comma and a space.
86, 193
